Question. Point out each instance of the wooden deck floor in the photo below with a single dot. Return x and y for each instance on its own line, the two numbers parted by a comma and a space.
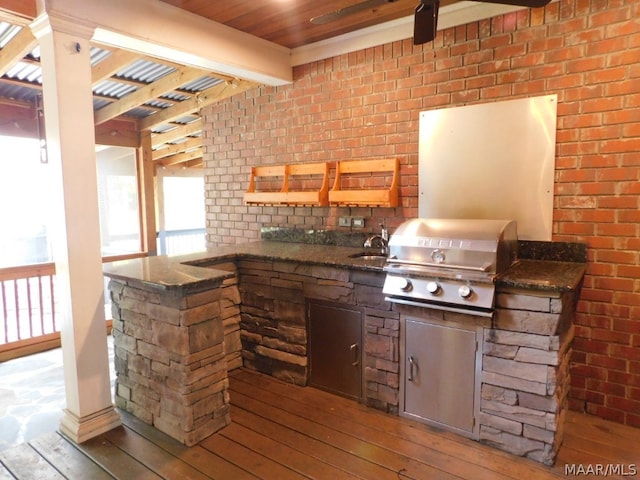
280, 431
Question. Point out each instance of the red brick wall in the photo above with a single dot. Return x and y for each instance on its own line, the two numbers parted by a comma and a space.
366, 105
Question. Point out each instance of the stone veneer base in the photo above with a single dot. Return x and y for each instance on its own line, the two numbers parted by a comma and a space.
170, 356
173, 349
524, 378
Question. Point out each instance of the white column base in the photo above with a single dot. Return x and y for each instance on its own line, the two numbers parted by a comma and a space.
82, 429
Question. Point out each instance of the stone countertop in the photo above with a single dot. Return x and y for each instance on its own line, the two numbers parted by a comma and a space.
167, 272
164, 273
544, 275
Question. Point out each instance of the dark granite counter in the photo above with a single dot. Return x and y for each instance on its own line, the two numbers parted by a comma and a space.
544, 275
164, 273
167, 272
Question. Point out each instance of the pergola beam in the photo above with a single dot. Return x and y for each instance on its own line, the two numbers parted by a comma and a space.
159, 139
177, 148
202, 99
21, 44
182, 157
112, 64
151, 91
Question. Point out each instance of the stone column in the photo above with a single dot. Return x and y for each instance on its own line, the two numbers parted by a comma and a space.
75, 229
170, 356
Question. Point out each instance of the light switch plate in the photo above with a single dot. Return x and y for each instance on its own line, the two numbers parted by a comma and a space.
344, 221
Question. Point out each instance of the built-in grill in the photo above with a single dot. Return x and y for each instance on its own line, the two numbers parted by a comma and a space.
449, 264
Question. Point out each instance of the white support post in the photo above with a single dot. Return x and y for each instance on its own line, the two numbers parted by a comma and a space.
68, 107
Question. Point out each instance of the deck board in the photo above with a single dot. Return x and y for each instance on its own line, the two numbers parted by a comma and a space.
282, 431
68, 460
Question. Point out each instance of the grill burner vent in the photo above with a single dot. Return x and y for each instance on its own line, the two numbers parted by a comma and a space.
449, 264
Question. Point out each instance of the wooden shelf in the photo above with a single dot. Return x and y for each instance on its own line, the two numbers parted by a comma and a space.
352, 174
310, 185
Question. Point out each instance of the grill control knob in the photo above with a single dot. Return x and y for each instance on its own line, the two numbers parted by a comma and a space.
465, 291
405, 284
433, 288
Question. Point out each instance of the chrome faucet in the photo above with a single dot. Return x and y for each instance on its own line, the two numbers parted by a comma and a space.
383, 237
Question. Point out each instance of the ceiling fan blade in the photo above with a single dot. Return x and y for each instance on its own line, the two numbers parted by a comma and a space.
425, 23
426, 16
519, 3
351, 9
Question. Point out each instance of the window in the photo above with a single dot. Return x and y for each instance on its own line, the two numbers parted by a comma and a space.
118, 200
24, 194
181, 212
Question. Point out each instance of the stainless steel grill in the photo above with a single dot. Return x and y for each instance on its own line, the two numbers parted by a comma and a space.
449, 264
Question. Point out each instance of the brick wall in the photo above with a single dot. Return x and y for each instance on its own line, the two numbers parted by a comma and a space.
366, 105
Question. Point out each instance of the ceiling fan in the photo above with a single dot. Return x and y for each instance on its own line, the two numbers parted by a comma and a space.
426, 14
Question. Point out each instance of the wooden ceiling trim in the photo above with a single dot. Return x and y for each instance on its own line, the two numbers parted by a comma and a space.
159, 139
206, 97
153, 90
14, 51
18, 12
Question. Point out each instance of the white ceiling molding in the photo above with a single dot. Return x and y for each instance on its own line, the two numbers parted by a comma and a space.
453, 15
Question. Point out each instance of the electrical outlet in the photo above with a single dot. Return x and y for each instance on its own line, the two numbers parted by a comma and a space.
358, 222
344, 221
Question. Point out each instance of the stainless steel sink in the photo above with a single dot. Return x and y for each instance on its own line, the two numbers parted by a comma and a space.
368, 255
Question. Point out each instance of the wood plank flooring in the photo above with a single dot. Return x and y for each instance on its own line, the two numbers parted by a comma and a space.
280, 431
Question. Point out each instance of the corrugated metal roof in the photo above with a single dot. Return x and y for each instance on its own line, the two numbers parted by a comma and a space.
7, 32
145, 71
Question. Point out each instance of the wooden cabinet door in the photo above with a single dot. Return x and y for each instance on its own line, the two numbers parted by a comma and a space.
335, 348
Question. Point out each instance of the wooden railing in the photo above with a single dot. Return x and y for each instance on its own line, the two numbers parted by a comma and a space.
27, 302
28, 320
28, 313
175, 242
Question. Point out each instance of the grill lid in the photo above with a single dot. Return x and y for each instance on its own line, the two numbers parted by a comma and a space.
487, 246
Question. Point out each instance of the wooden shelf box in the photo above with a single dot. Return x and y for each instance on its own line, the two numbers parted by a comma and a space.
293, 184
366, 183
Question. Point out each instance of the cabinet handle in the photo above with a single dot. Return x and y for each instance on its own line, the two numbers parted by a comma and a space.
412, 363
356, 354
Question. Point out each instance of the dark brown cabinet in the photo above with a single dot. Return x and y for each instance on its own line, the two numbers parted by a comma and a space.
335, 348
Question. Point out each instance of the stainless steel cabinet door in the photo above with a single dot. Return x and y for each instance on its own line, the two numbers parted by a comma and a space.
335, 349
439, 374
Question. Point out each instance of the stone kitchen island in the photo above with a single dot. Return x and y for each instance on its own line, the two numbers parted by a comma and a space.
181, 323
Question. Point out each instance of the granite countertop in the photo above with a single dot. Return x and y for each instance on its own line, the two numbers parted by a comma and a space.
550, 275
166, 272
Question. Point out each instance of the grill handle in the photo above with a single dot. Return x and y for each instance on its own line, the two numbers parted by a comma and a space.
412, 364
446, 308
356, 355
483, 268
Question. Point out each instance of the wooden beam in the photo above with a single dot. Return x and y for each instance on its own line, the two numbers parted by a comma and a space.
18, 12
148, 92
118, 132
158, 139
15, 103
18, 121
21, 44
146, 193
112, 64
182, 157
174, 149
202, 99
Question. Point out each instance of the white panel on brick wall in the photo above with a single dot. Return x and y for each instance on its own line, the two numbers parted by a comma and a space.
490, 161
